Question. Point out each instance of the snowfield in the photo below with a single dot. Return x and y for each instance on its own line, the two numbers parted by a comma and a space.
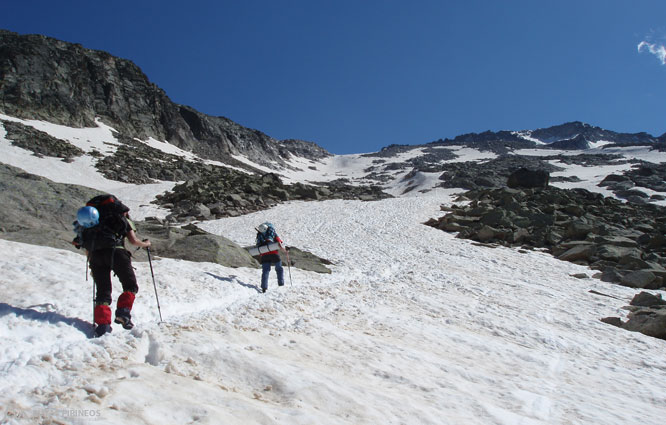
413, 326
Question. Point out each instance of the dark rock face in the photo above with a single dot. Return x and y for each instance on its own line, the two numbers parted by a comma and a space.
65, 83
528, 179
48, 79
624, 241
577, 143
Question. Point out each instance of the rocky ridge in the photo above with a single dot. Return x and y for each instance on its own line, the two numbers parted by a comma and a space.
568, 136
47, 79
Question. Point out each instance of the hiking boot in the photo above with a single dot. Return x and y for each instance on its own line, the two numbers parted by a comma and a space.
263, 290
101, 330
124, 318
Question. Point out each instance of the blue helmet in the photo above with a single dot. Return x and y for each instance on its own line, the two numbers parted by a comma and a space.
87, 216
265, 226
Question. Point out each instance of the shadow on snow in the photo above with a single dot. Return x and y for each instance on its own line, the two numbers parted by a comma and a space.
233, 279
48, 317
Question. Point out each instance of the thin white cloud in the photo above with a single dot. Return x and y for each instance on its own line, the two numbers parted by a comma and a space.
656, 49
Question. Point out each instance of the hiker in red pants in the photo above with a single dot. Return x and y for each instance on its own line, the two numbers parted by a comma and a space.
104, 226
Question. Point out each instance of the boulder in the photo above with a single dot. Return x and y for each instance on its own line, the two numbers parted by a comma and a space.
613, 178
578, 230
525, 178
650, 322
209, 248
577, 253
193, 244
646, 299
486, 234
639, 279
302, 260
617, 253
647, 316
38, 211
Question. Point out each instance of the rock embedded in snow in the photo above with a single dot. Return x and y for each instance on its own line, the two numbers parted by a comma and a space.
648, 316
622, 240
39, 142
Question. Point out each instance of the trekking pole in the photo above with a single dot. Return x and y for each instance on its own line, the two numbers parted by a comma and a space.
93, 293
159, 310
93, 305
291, 283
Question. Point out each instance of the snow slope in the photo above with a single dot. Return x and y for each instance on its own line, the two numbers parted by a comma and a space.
413, 326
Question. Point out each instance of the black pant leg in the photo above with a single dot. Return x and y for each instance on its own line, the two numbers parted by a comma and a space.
100, 268
122, 267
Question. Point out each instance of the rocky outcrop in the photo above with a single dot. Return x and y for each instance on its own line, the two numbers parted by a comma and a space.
301, 260
489, 174
39, 143
579, 142
192, 244
38, 211
642, 175
625, 242
647, 316
47, 79
225, 193
138, 163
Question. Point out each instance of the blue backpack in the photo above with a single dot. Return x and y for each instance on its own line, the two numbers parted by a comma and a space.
267, 236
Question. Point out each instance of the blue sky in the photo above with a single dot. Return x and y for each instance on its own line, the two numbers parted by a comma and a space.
354, 76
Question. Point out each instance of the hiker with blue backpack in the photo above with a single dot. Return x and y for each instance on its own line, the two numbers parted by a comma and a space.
267, 237
101, 227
